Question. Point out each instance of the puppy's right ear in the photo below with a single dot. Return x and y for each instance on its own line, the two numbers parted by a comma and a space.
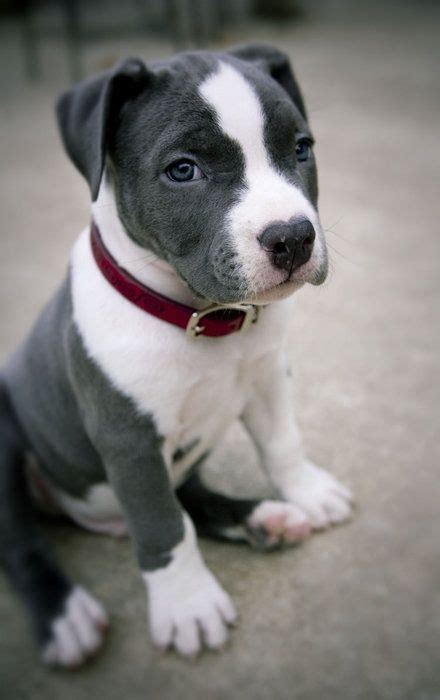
88, 112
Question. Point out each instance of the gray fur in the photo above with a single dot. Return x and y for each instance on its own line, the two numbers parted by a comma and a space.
95, 107
37, 377
84, 431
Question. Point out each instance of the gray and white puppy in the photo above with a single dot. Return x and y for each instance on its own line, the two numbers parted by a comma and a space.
203, 181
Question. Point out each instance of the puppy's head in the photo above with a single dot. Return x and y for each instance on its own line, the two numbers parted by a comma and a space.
211, 161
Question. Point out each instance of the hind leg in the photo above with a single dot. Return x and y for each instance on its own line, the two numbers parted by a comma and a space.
67, 622
263, 523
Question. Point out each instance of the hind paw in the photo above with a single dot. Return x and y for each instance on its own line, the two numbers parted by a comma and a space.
78, 633
275, 523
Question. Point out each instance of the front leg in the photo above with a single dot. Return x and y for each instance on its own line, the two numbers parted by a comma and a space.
187, 606
270, 420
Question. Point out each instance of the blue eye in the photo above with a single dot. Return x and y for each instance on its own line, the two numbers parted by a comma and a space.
184, 171
303, 149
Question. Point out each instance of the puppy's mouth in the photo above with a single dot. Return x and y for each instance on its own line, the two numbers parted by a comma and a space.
282, 290
290, 284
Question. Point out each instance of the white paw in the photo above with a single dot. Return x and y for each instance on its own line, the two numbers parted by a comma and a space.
323, 498
274, 523
188, 608
196, 617
78, 633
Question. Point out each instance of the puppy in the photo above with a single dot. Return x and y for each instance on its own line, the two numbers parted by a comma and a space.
169, 326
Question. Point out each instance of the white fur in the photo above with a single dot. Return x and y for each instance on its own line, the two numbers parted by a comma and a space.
187, 606
78, 632
268, 196
282, 522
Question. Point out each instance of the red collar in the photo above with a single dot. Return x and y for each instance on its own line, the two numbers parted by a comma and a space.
214, 321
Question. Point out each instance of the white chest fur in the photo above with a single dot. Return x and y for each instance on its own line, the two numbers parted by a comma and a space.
192, 388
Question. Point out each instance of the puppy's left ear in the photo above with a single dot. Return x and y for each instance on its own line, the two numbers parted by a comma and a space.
277, 64
88, 112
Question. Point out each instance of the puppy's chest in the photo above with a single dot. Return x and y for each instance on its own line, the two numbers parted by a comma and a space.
195, 403
192, 394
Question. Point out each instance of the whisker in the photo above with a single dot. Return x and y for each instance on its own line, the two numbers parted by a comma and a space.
336, 222
338, 235
335, 250
330, 229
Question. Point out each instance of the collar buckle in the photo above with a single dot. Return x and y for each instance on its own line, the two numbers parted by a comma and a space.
194, 329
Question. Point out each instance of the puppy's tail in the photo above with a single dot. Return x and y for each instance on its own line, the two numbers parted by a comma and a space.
49, 596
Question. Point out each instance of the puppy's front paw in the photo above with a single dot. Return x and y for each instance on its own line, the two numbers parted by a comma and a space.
195, 616
188, 607
275, 523
322, 497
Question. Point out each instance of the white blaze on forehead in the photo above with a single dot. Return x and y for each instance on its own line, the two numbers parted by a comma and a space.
268, 195
239, 111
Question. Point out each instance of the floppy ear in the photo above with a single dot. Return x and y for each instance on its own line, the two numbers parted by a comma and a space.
277, 64
88, 111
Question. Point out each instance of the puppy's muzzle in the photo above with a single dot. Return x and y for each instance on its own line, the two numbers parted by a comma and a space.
288, 244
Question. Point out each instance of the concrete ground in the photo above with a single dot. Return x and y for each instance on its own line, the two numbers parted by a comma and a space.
354, 613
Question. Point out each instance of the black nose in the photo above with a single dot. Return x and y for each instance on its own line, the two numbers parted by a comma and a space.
290, 244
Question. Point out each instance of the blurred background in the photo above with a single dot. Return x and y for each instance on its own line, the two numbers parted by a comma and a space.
354, 613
